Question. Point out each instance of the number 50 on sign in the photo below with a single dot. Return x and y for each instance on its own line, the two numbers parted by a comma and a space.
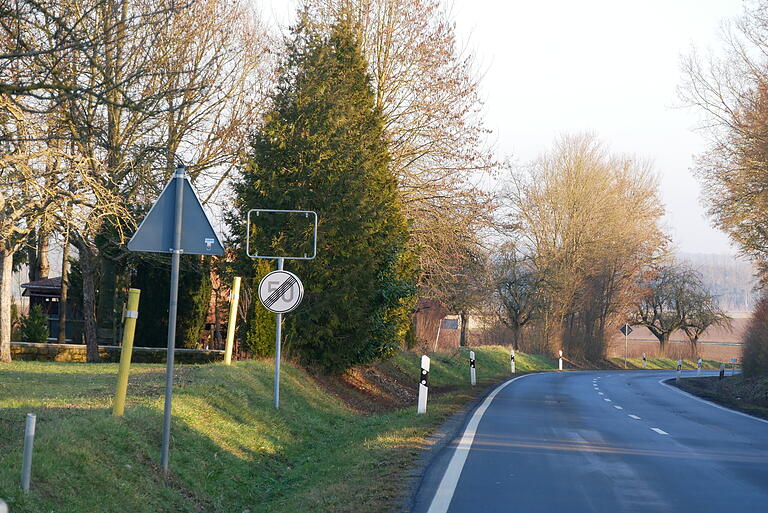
280, 291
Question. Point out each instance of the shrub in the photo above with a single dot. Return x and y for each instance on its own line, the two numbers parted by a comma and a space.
756, 341
34, 327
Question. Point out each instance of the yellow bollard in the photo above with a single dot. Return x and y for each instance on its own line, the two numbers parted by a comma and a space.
131, 314
232, 321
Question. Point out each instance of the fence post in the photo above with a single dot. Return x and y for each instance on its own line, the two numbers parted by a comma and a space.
126, 350
29, 441
234, 300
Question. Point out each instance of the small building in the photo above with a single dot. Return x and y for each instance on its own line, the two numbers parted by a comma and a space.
47, 294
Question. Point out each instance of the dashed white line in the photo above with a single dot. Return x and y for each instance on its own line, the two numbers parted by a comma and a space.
617, 407
607, 400
600, 393
635, 417
660, 431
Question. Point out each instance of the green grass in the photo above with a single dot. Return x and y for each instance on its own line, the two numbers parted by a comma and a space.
748, 394
662, 363
231, 451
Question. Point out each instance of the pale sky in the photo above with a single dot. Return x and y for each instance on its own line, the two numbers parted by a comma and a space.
607, 66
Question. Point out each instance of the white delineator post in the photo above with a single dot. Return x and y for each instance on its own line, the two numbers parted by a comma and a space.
472, 377
423, 384
679, 368
698, 367
644, 361
512, 357
560, 361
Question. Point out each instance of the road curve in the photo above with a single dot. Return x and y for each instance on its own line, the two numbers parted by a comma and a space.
603, 441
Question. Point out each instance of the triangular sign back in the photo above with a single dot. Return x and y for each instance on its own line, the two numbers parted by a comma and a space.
155, 233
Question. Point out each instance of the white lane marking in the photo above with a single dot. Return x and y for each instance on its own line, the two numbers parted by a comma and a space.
660, 431
607, 400
635, 417
617, 407
600, 393
444, 494
661, 382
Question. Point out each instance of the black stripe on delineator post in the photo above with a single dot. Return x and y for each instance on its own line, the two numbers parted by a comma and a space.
472, 362
282, 289
424, 377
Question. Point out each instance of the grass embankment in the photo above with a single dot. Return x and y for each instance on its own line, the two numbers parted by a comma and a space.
661, 363
749, 395
325, 450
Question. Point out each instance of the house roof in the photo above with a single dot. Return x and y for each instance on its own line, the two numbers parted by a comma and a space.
44, 284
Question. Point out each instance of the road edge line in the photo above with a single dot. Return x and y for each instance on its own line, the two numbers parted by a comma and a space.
445, 490
719, 406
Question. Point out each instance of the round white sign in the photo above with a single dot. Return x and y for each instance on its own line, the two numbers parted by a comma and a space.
280, 291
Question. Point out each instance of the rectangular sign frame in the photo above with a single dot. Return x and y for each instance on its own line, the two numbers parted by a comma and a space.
258, 211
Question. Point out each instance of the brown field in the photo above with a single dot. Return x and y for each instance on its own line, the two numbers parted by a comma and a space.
718, 343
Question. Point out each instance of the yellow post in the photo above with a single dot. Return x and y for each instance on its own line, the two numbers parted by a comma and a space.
232, 320
129, 329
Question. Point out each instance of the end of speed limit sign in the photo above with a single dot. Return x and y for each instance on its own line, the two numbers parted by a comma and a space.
280, 291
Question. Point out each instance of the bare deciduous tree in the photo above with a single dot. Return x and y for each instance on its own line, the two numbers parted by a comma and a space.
427, 88
589, 221
518, 290
674, 297
137, 84
731, 90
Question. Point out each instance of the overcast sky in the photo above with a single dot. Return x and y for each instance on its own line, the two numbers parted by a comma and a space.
607, 66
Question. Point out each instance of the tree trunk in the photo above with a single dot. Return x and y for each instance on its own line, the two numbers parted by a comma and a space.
663, 339
41, 261
31, 251
516, 337
463, 336
6, 268
105, 312
62, 338
694, 345
216, 321
88, 266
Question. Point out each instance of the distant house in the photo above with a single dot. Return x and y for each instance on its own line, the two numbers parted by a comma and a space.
47, 294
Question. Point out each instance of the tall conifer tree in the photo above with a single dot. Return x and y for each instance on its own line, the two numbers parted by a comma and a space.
323, 148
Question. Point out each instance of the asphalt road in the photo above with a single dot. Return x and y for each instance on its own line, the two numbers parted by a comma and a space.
599, 441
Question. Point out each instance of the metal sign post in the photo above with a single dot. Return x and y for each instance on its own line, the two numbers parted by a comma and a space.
175, 226
626, 329
280, 291
173, 303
